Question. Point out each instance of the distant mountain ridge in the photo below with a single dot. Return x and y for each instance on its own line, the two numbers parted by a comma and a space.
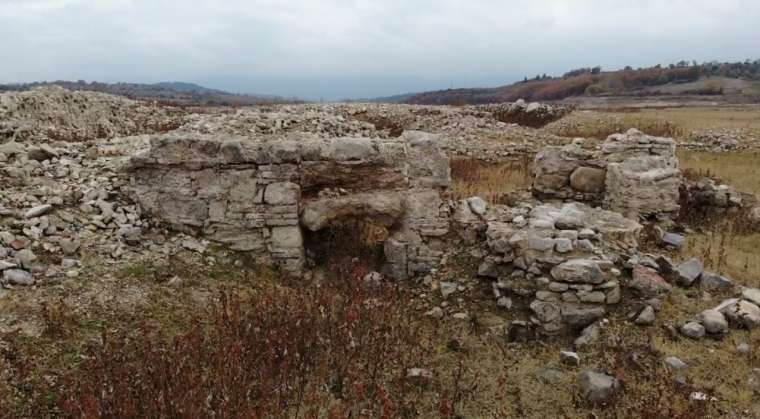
170, 93
707, 79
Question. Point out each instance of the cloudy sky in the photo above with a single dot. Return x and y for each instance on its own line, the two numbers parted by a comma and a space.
360, 48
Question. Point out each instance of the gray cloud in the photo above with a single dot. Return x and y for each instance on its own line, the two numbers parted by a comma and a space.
327, 47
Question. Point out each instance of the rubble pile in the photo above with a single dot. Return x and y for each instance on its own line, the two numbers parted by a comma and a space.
533, 114
560, 257
52, 113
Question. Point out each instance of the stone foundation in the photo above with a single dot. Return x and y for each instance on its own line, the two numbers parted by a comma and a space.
257, 196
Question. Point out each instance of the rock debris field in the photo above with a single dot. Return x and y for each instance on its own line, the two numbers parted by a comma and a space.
124, 182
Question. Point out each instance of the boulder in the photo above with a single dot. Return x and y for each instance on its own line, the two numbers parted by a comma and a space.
752, 295
588, 179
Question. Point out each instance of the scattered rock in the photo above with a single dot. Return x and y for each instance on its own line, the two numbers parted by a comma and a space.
38, 211
713, 321
570, 358
742, 313
752, 295
693, 330
646, 317
648, 282
447, 288
675, 363
17, 277
713, 281
597, 387
689, 271
419, 376
673, 240
477, 205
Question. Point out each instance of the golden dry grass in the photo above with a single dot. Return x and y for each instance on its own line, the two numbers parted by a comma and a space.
490, 181
670, 122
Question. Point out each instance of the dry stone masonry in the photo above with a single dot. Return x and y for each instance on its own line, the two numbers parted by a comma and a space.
633, 174
260, 196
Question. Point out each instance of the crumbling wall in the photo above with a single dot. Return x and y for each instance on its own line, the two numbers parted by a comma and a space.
633, 173
257, 195
561, 257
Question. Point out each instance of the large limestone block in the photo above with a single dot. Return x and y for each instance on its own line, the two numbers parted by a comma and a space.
383, 208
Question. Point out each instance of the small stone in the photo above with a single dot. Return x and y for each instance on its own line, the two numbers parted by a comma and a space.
25, 258
435, 312
588, 336
713, 321
38, 211
447, 288
743, 348
373, 281
17, 277
477, 205
69, 264
646, 317
419, 376
673, 240
675, 363
570, 358
558, 287
69, 247
713, 281
504, 303
689, 271
563, 245
693, 330
597, 387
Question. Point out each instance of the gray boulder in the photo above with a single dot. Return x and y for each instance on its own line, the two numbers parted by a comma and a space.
689, 271
713, 281
646, 317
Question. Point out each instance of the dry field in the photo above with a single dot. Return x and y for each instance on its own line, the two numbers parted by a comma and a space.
679, 123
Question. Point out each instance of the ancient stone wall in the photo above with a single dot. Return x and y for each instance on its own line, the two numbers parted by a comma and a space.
257, 195
632, 173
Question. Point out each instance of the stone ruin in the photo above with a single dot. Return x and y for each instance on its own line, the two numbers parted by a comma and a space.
261, 196
633, 174
264, 196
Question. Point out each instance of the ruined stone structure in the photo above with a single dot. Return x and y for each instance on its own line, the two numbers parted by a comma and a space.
633, 174
260, 195
561, 257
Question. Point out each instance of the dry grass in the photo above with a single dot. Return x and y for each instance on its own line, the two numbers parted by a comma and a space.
678, 123
490, 181
738, 169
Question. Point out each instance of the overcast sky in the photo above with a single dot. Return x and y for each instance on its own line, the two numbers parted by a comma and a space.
342, 48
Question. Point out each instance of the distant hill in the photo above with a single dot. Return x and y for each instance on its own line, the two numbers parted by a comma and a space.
170, 93
385, 99
710, 79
